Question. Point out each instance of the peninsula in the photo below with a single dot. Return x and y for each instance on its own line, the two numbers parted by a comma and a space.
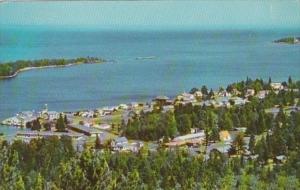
289, 40
11, 69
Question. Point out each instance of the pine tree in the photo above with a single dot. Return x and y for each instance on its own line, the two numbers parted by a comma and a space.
252, 143
211, 93
290, 81
39, 183
36, 125
60, 125
204, 90
66, 119
270, 81
238, 144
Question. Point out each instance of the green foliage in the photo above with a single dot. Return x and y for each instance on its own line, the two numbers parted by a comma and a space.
60, 168
11, 68
61, 124
238, 144
151, 126
36, 125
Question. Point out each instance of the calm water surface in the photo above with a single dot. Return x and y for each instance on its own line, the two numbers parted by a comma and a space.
182, 60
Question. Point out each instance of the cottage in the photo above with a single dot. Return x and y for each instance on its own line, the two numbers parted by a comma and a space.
133, 105
120, 144
220, 147
277, 86
262, 94
50, 115
136, 146
87, 114
167, 108
198, 94
224, 93
161, 100
250, 92
222, 101
238, 101
186, 98
224, 136
280, 159
123, 106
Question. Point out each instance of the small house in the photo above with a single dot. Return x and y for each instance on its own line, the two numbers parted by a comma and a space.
120, 144
161, 100
277, 86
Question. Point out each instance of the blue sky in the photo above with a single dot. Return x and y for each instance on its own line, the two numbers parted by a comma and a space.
157, 14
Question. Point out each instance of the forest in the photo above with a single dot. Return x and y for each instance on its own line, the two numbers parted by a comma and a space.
53, 164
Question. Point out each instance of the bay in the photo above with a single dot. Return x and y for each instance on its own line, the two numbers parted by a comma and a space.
179, 60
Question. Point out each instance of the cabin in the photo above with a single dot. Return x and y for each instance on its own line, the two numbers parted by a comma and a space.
250, 92
262, 94
133, 105
238, 101
222, 101
198, 94
50, 115
123, 106
224, 136
167, 108
120, 144
223, 148
280, 159
161, 100
186, 98
136, 146
276, 86
224, 93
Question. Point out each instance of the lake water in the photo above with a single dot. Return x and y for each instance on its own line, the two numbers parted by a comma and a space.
181, 60
9, 132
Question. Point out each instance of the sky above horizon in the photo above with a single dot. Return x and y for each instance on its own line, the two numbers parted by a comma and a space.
156, 14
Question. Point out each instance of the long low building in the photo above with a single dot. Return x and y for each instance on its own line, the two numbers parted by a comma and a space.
199, 135
89, 131
78, 139
189, 139
35, 134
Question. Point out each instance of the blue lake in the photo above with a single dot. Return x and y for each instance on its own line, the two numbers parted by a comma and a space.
182, 60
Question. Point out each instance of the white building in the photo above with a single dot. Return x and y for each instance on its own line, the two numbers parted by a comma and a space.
120, 144
277, 86
200, 136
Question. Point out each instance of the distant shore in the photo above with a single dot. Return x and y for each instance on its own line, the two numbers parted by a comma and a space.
27, 68
32, 68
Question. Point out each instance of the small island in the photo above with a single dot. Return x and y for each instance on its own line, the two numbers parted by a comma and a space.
11, 69
289, 40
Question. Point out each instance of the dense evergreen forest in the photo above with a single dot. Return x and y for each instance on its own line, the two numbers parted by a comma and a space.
9, 69
52, 163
